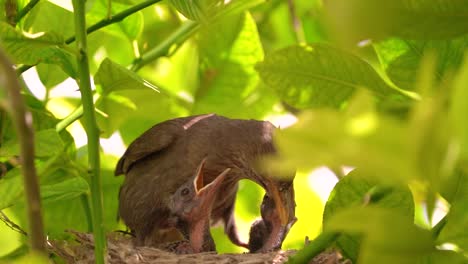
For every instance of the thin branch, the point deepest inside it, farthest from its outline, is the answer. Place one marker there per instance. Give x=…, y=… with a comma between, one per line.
x=4, y=218
x=75, y=115
x=296, y=22
x=92, y=132
x=10, y=11
x=177, y=38
x=116, y=18
x=25, y=10
x=23, y=125
x=103, y=23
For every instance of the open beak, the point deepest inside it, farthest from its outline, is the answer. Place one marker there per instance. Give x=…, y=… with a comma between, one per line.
x=282, y=194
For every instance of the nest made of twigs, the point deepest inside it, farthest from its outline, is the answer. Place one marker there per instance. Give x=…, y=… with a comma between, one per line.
x=121, y=250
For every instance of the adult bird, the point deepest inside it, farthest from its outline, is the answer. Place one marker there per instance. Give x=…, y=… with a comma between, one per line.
x=163, y=158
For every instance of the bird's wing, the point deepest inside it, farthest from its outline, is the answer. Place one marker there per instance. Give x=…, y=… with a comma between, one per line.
x=156, y=139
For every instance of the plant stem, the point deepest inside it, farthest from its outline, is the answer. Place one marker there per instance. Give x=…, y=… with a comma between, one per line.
x=25, y=10
x=23, y=124
x=116, y=18
x=92, y=132
x=75, y=115
x=178, y=37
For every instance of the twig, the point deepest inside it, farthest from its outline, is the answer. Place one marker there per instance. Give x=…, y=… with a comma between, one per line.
x=23, y=124
x=116, y=18
x=10, y=11
x=25, y=10
x=75, y=115
x=103, y=23
x=296, y=22
x=90, y=126
x=4, y=218
x=177, y=38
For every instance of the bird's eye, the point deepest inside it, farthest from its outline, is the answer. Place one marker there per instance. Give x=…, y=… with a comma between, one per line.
x=185, y=191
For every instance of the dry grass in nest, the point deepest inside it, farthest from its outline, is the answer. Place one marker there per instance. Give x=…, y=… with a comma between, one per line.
x=122, y=250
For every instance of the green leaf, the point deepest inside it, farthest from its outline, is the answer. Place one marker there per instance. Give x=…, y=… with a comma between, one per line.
x=387, y=236
x=402, y=59
x=64, y=190
x=319, y=75
x=444, y=256
x=57, y=20
x=114, y=77
x=50, y=75
x=113, y=110
x=454, y=230
x=356, y=20
x=364, y=139
x=47, y=48
x=11, y=188
x=228, y=52
x=47, y=143
x=459, y=108
x=352, y=191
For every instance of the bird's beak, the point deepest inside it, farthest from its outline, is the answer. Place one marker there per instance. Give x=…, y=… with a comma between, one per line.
x=282, y=194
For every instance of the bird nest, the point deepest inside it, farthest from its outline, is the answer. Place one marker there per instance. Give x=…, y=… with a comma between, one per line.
x=121, y=250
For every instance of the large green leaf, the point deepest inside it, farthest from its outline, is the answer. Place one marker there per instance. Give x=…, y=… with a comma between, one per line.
x=47, y=143
x=57, y=20
x=353, y=190
x=114, y=77
x=319, y=75
x=113, y=111
x=229, y=50
x=46, y=48
x=402, y=59
x=64, y=190
x=11, y=188
x=387, y=236
x=356, y=20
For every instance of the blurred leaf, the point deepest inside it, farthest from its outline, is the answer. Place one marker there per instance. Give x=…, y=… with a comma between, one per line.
x=402, y=59
x=387, y=236
x=459, y=108
x=363, y=139
x=454, y=230
x=356, y=20
x=444, y=256
x=352, y=191
x=206, y=10
x=113, y=111
x=229, y=50
x=47, y=143
x=319, y=75
x=57, y=20
x=47, y=48
x=64, y=190
x=114, y=77
x=11, y=188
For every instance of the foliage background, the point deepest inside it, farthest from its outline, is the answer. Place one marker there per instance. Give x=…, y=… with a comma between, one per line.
x=377, y=87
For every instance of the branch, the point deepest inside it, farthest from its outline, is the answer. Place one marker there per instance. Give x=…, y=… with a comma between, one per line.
x=102, y=23
x=23, y=124
x=25, y=10
x=177, y=38
x=92, y=132
x=4, y=218
x=114, y=19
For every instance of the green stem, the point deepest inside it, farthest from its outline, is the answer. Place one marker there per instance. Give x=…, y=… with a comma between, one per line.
x=316, y=246
x=178, y=37
x=116, y=18
x=25, y=10
x=75, y=115
x=92, y=132
x=23, y=125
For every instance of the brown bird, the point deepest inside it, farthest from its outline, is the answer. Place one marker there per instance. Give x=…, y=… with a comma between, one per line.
x=163, y=158
x=192, y=204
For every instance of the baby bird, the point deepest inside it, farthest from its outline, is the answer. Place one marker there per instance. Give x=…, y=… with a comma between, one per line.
x=192, y=204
